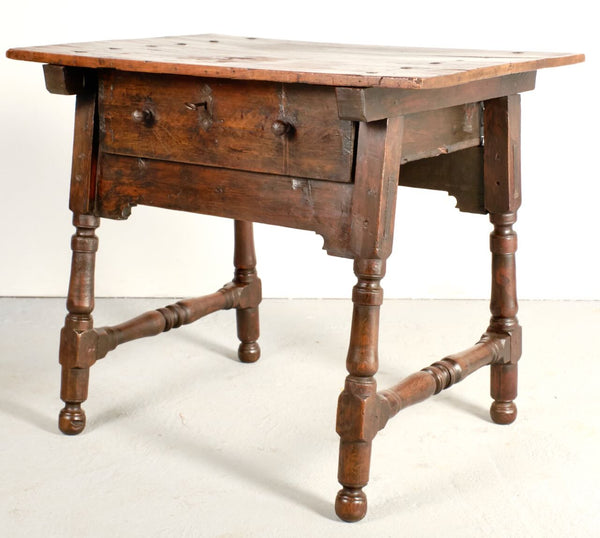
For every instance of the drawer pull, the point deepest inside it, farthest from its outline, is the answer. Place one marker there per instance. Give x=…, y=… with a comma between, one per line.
x=281, y=128
x=145, y=116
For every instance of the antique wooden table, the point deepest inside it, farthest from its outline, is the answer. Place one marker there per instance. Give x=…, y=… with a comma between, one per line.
x=304, y=135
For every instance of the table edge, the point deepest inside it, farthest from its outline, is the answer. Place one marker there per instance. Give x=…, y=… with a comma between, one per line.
x=285, y=76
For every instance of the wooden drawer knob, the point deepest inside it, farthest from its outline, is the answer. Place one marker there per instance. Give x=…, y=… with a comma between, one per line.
x=281, y=128
x=145, y=116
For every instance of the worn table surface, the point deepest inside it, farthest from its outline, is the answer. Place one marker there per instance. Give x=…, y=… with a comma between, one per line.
x=295, y=61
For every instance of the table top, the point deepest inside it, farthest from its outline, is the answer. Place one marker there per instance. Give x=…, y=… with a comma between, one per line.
x=249, y=58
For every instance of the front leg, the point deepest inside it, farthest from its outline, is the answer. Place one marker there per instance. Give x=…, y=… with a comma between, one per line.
x=77, y=350
x=244, y=259
x=357, y=421
x=373, y=209
x=502, y=190
x=503, y=305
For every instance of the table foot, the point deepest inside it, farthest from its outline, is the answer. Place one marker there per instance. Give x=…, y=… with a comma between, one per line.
x=503, y=412
x=351, y=504
x=71, y=419
x=249, y=351
x=504, y=391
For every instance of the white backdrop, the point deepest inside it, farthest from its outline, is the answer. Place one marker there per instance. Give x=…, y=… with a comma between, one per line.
x=438, y=252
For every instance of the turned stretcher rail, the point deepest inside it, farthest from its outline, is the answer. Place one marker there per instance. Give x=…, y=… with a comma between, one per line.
x=442, y=375
x=183, y=312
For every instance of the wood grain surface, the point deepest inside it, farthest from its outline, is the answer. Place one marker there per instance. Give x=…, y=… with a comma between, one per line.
x=296, y=61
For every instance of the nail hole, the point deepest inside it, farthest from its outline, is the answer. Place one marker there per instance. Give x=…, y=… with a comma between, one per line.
x=79, y=51
x=114, y=48
x=435, y=63
x=213, y=40
x=182, y=44
x=405, y=67
x=151, y=46
x=250, y=38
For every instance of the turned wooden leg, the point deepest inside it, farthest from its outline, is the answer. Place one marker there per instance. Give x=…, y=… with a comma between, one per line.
x=77, y=352
x=503, y=243
x=244, y=259
x=357, y=421
x=502, y=196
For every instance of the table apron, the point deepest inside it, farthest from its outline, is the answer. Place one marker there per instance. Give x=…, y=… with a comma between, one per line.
x=321, y=206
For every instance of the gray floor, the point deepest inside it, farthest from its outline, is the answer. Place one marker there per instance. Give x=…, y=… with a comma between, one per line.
x=182, y=440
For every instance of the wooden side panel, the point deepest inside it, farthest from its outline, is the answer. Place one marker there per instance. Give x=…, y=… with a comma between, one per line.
x=437, y=132
x=227, y=124
x=460, y=174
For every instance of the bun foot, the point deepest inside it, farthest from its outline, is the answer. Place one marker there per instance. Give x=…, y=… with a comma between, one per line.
x=71, y=419
x=503, y=412
x=249, y=352
x=351, y=504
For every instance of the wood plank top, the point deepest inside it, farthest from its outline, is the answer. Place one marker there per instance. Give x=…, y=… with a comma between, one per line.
x=249, y=58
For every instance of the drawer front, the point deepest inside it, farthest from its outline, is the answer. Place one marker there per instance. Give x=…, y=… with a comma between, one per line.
x=285, y=129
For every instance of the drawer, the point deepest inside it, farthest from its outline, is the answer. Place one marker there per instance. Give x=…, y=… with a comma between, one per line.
x=284, y=129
